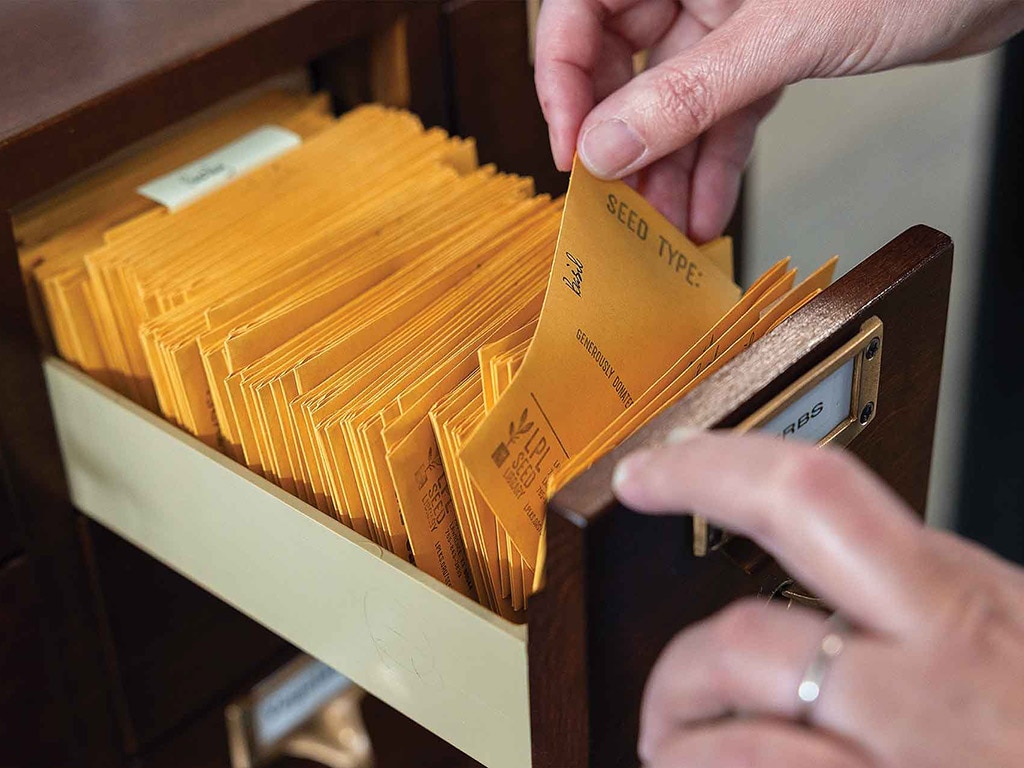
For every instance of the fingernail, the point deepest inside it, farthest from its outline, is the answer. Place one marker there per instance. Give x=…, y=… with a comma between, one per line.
x=682, y=434
x=623, y=470
x=610, y=147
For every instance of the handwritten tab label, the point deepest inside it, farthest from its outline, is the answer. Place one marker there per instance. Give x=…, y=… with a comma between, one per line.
x=575, y=278
x=190, y=182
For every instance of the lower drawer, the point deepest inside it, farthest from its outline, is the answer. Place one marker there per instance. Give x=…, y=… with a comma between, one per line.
x=397, y=743
x=442, y=660
x=175, y=647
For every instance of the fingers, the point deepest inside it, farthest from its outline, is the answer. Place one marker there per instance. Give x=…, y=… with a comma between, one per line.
x=742, y=670
x=748, y=659
x=670, y=105
x=748, y=662
x=831, y=523
x=754, y=744
x=571, y=37
x=968, y=556
x=685, y=31
x=641, y=24
x=666, y=184
x=986, y=584
x=713, y=13
x=614, y=67
x=724, y=152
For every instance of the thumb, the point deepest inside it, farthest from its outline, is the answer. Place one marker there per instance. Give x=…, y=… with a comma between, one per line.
x=670, y=105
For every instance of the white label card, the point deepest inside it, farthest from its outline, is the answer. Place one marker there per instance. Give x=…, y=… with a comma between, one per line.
x=288, y=705
x=814, y=414
x=190, y=182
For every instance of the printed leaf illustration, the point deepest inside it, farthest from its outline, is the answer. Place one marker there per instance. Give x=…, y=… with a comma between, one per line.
x=433, y=458
x=524, y=425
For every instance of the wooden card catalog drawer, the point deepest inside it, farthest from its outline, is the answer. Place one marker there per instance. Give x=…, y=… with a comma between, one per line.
x=565, y=692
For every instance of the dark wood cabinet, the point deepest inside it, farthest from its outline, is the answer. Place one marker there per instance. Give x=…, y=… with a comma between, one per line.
x=173, y=648
x=33, y=730
x=9, y=544
x=493, y=91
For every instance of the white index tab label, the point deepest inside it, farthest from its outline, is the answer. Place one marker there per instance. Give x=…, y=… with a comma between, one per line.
x=813, y=415
x=282, y=706
x=188, y=183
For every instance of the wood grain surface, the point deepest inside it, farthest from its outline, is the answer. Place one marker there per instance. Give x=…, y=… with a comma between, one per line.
x=81, y=79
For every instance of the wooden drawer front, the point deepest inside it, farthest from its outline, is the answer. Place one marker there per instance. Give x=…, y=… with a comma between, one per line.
x=617, y=580
x=8, y=537
x=30, y=722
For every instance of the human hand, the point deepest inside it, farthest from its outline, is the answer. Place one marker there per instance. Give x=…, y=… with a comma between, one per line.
x=933, y=673
x=715, y=70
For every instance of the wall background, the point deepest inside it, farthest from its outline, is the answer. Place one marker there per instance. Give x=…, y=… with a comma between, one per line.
x=843, y=166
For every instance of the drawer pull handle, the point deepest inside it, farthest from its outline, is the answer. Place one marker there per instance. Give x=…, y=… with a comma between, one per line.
x=791, y=592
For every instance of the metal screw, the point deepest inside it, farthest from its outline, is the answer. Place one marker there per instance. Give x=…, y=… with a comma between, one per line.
x=872, y=349
x=867, y=412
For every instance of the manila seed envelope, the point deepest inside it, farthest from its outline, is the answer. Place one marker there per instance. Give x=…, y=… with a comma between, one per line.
x=627, y=295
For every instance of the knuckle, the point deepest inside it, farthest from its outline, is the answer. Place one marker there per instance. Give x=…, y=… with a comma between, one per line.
x=821, y=482
x=969, y=622
x=813, y=476
x=972, y=610
x=684, y=98
x=805, y=477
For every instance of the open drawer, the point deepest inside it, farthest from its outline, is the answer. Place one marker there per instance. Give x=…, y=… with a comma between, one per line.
x=440, y=658
x=565, y=693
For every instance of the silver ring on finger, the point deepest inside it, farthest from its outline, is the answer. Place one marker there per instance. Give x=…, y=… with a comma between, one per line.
x=814, y=676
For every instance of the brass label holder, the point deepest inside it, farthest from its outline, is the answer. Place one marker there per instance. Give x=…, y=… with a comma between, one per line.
x=304, y=710
x=830, y=404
